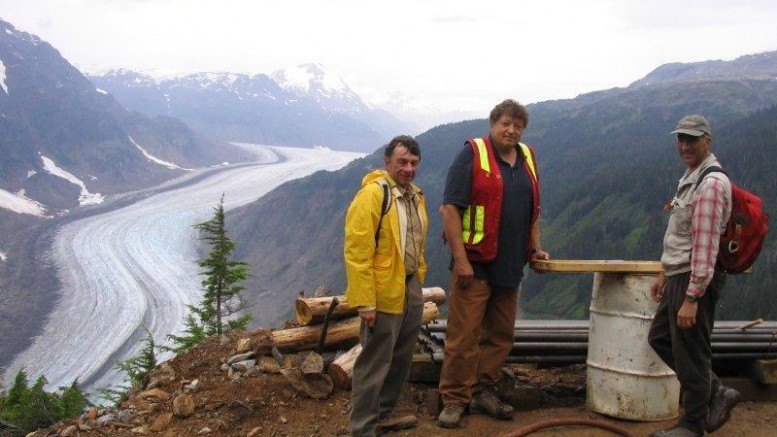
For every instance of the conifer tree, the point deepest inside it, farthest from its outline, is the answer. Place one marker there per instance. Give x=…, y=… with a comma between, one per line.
x=137, y=368
x=30, y=408
x=222, y=286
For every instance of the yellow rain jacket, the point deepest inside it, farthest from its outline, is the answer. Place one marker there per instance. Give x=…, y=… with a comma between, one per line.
x=376, y=276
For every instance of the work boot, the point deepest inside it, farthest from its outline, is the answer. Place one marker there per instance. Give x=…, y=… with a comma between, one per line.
x=450, y=416
x=677, y=431
x=725, y=399
x=396, y=423
x=486, y=401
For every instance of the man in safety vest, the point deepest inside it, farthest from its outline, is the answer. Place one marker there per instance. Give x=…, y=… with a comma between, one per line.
x=385, y=237
x=490, y=214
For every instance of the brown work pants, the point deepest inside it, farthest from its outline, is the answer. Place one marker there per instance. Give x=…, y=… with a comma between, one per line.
x=480, y=335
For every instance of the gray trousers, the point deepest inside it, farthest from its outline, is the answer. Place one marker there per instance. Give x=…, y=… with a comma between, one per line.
x=383, y=366
x=688, y=351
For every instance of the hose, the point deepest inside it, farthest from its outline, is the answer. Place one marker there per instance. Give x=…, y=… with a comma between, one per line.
x=526, y=430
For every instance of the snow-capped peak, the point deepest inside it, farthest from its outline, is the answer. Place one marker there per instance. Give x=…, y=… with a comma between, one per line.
x=314, y=82
x=309, y=77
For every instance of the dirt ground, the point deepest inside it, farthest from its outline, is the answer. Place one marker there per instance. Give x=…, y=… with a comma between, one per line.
x=267, y=405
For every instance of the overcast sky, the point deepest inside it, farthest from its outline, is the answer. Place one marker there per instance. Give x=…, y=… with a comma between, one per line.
x=451, y=55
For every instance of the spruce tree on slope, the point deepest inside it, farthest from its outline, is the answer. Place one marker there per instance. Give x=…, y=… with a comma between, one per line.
x=222, y=285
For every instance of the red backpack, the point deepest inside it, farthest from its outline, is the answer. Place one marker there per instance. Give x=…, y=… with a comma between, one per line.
x=746, y=229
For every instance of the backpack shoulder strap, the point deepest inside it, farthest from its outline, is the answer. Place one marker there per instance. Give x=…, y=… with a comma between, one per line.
x=385, y=206
x=708, y=170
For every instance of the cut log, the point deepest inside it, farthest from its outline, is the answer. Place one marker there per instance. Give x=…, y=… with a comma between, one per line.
x=311, y=310
x=341, y=369
x=341, y=331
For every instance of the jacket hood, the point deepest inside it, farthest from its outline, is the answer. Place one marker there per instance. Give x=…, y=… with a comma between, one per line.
x=376, y=174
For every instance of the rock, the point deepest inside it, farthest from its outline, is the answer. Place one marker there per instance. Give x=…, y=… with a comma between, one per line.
x=161, y=422
x=254, y=432
x=193, y=386
x=313, y=363
x=284, y=420
x=142, y=430
x=253, y=371
x=313, y=385
x=92, y=413
x=243, y=366
x=205, y=430
x=155, y=393
x=105, y=419
x=240, y=357
x=183, y=406
x=125, y=416
x=70, y=431
x=243, y=345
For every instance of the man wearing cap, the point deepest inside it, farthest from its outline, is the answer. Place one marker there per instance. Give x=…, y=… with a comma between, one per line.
x=689, y=287
x=385, y=266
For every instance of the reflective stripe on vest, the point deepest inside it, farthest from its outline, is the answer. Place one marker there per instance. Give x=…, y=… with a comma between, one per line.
x=483, y=156
x=473, y=221
x=473, y=224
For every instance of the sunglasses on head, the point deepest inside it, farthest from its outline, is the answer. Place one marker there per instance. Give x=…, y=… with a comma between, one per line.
x=685, y=138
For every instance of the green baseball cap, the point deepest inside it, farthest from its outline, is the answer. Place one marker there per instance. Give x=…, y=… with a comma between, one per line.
x=694, y=125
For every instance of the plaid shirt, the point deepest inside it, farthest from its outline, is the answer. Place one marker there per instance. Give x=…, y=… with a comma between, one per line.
x=709, y=218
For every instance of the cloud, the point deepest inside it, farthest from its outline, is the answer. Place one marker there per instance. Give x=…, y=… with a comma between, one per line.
x=453, y=19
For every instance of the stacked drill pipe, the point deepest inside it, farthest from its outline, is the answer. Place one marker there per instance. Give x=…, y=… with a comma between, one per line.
x=566, y=341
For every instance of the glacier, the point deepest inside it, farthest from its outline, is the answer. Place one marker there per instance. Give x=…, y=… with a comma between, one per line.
x=135, y=268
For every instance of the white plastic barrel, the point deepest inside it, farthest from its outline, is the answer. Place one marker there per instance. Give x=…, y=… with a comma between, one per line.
x=625, y=378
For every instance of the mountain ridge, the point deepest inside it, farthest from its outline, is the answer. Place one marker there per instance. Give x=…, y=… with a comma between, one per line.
x=600, y=140
x=313, y=108
x=52, y=114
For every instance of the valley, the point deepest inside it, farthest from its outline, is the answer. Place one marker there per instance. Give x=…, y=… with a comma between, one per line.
x=124, y=270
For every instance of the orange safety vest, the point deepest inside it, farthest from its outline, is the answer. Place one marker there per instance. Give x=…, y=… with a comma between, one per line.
x=480, y=220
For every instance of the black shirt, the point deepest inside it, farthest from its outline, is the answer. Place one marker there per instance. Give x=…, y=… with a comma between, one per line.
x=515, y=220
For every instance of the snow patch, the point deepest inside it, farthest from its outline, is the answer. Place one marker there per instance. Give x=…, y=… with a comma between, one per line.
x=31, y=173
x=21, y=204
x=156, y=160
x=2, y=77
x=3, y=256
x=101, y=91
x=85, y=197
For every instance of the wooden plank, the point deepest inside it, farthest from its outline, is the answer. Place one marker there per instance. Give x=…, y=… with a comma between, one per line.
x=594, y=266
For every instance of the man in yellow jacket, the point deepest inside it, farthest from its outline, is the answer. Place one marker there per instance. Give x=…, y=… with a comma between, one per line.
x=385, y=266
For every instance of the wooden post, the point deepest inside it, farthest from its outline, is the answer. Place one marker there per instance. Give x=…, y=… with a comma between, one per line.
x=311, y=310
